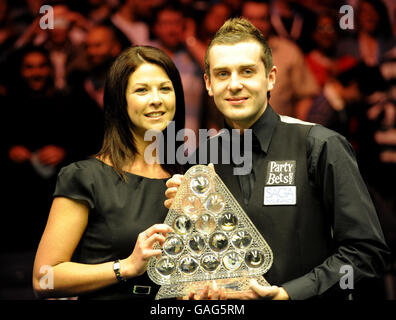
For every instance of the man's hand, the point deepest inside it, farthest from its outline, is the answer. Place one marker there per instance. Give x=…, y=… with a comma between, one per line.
x=173, y=185
x=208, y=293
x=259, y=292
x=256, y=292
x=268, y=292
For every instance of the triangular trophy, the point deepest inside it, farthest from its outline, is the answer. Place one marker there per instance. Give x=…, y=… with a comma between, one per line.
x=214, y=239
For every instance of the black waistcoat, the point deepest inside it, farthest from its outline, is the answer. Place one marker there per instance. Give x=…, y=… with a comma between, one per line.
x=299, y=235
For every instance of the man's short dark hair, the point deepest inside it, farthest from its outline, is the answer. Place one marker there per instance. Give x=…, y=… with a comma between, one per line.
x=236, y=30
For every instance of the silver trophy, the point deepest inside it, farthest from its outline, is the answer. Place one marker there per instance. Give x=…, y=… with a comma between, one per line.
x=213, y=239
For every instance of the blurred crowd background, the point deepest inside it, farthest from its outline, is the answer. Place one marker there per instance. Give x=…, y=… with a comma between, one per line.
x=51, y=90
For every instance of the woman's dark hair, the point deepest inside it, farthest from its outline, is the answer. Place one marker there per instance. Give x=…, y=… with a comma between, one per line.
x=118, y=144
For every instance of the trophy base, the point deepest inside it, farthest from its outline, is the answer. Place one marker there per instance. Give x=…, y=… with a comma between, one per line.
x=230, y=286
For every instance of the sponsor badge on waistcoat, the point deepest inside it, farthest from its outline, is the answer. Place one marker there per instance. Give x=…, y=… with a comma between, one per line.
x=280, y=185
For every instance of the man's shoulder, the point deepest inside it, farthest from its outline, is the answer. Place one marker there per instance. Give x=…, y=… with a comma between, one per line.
x=316, y=130
x=291, y=120
x=318, y=136
x=323, y=140
x=324, y=134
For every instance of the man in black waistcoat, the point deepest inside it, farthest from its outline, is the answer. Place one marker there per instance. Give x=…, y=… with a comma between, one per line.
x=303, y=190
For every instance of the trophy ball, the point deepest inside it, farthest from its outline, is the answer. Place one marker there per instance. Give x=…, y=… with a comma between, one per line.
x=254, y=258
x=188, y=265
x=232, y=261
x=182, y=225
x=173, y=245
x=218, y=241
x=196, y=244
x=215, y=203
x=210, y=262
x=165, y=266
x=205, y=223
x=241, y=239
x=200, y=184
x=190, y=205
x=228, y=221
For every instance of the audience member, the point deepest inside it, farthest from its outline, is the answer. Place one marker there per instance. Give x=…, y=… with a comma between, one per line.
x=7, y=30
x=330, y=108
x=102, y=47
x=37, y=138
x=322, y=59
x=296, y=87
x=376, y=137
x=195, y=40
x=87, y=87
x=373, y=36
x=64, y=41
x=234, y=5
x=388, y=71
x=7, y=39
x=169, y=30
x=96, y=11
x=214, y=18
x=292, y=21
x=133, y=20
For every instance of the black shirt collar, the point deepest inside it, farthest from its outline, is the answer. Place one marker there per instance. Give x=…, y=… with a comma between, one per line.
x=263, y=128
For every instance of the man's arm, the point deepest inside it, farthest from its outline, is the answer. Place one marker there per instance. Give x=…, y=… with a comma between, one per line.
x=357, y=235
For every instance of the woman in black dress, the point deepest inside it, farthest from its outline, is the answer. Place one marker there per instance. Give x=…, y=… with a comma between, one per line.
x=107, y=211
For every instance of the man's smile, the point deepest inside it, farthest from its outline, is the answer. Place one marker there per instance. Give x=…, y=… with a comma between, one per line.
x=236, y=100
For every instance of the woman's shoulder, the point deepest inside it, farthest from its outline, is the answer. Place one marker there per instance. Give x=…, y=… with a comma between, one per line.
x=86, y=164
x=91, y=169
x=98, y=169
x=78, y=181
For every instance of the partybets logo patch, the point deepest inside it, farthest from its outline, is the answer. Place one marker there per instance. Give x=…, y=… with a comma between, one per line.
x=280, y=186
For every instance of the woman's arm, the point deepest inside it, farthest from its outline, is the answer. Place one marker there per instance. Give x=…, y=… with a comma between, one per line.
x=66, y=224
